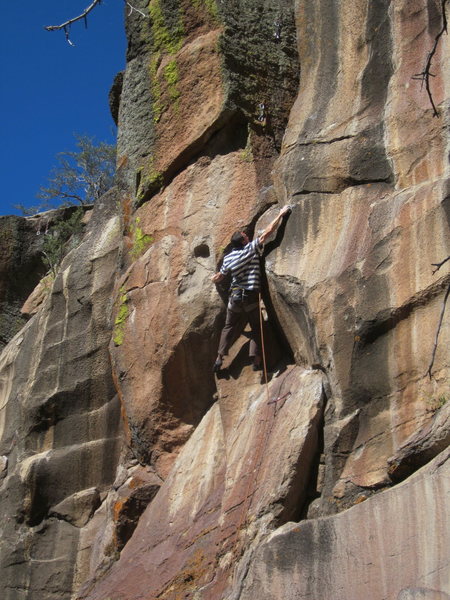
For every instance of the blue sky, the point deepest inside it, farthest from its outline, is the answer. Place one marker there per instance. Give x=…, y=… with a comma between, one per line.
x=50, y=90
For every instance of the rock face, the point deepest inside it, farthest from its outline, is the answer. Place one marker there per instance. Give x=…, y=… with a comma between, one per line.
x=228, y=507
x=21, y=268
x=363, y=282
x=59, y=421
x=127, y=467
x=321, y=557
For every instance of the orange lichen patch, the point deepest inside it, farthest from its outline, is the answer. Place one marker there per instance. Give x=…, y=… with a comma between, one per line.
x=127, y=210
x=136, y=482
x=360, y=499
x=196, y=572
x=118, y=507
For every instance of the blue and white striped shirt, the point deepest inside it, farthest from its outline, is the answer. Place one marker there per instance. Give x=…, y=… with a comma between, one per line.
x=243, y=264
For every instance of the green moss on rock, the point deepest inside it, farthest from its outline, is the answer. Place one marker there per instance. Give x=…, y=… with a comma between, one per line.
x=141, y=240
x=164, y=38
x=210, y=5
x=122, y=315
x=150, y=181
x=172, y=77
x=157, y=103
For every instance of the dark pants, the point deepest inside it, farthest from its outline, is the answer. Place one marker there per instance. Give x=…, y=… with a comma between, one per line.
x=238, y=315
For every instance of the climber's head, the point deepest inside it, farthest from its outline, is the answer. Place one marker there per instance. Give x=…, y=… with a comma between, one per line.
x=239, y=239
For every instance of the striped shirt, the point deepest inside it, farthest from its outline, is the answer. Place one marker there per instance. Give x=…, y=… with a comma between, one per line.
x=243, y=264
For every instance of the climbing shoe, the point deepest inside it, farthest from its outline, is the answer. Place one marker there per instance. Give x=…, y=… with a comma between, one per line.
x=217, y=365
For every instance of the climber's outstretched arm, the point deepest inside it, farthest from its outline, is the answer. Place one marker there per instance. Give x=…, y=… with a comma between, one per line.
x=274, y=225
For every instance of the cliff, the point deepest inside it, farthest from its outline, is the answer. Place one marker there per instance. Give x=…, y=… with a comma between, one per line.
x=131, y=471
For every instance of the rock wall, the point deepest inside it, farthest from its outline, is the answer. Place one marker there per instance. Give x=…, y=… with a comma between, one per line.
x=59, y=421
x=129, y=469
x=368, y=293
x=351, y=553
x=21, y=265
x=21, y=270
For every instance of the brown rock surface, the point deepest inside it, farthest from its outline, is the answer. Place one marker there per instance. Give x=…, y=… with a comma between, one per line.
x=37, y=296
x=164, y=373
x=424, y=444
x=59, y=426
x=366, y=551
x=370, y=216
x=213, y=506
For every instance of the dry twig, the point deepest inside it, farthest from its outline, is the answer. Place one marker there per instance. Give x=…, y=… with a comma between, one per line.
x=439, y=265
x=132, y=8
x=424, y=77
x=67, y=24
x=441, y=317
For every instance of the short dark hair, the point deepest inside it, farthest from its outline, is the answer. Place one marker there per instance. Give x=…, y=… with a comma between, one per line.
x=237, y=239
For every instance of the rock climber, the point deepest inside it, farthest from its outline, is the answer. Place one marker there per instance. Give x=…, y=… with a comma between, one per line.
x=244, y=266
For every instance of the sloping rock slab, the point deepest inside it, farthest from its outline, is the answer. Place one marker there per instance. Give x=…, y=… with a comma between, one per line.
x=223, y=493
x=366, y=551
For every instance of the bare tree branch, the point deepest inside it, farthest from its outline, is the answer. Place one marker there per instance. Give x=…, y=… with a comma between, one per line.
x=438, y=331
x=439, y=265
x=424, y=77
x=71, y=197
x=132, y=8
x=66, y=26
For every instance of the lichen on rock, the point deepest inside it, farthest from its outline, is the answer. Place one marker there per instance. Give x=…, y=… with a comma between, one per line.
x=122, y=314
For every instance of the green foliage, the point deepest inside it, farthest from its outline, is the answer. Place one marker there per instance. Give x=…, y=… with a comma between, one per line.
x=29, y=211
x=212, y=8
x=62, y=237
x=151, y=180
x=171, y=72
x=82, y=176
x=247, y=154
x=122, y=314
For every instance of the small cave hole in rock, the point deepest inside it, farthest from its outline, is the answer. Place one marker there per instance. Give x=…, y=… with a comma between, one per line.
x=202, y=251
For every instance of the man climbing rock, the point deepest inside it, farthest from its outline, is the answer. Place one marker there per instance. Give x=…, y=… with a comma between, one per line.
x=244, y=266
